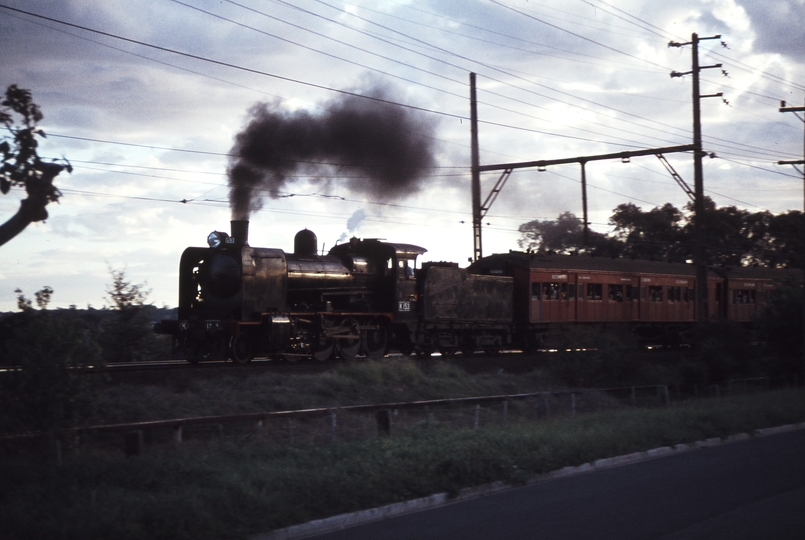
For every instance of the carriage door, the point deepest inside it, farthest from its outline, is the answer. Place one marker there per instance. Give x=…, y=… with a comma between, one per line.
x=720, y=305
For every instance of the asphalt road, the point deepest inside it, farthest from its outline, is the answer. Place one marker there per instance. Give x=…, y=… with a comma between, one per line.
x=750, y=489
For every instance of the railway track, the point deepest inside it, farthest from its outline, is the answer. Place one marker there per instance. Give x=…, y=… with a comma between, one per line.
x=176, y=365
x=287, y=363
x=508, y=360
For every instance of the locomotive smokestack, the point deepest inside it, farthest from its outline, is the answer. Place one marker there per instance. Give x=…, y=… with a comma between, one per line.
x=240, y=231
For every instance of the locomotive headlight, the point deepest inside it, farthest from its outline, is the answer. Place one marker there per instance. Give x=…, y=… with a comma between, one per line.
x=216, y=239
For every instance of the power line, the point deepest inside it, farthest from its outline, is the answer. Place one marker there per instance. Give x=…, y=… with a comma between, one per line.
x=488, y=66
x=519, y=112
x=579, y=36
x=297, y=81
x=230, y=65
x=327, y=88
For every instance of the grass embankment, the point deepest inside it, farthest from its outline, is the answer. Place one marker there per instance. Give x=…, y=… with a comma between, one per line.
x=237, y=390
x=223, y=489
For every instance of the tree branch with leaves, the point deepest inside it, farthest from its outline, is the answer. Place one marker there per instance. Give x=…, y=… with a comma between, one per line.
x=21, y=166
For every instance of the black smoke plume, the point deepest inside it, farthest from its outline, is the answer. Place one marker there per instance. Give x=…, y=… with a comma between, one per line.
x=369, y=146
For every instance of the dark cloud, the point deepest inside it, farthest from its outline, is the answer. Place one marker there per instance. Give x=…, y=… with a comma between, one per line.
x=369, y=146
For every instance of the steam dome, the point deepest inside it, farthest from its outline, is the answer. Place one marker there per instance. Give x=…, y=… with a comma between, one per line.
x=305, y=243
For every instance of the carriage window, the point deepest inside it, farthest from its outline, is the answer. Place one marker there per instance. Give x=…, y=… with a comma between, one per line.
x=558, y=291
x=615, y=293
x=551, y=291
x=655, y=293
x=743, y=296
x=628, y=293
x=675, y=294
x=594, y=291
x=535, y=290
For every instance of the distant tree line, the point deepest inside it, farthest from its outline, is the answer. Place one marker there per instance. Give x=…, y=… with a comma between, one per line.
x=732, y=236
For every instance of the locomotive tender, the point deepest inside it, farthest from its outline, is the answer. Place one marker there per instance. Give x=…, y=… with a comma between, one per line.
x=368, y=297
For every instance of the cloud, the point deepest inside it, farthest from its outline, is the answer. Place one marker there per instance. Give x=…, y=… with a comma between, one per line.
x=779, y=26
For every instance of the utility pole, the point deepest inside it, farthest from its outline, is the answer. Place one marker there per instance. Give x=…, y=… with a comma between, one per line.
x=477, y=252
x=801, y=162
x=586, y=234
x=700, y=258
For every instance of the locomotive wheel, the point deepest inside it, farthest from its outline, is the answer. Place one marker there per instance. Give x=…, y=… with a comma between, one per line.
x=325, y=352
x=241, y=347
x=349, y=345
x=423, y=352
x=322, y=345
x=195, y=352
x=375, y=339
x=198, y=349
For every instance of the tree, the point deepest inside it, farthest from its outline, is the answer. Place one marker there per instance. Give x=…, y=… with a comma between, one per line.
x=565, y=235
x=21, y=166
x=726, y=235
x=733, y=237
x=652, y=235
x=786, y=240
x=127, y=334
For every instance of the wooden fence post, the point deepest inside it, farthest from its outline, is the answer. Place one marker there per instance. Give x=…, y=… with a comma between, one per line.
x=662, y=394
x=383, y=417
x=133, y=443
x=59, y=454
x=542, y=408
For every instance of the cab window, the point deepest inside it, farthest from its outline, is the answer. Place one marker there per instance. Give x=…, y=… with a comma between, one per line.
x=405, y=269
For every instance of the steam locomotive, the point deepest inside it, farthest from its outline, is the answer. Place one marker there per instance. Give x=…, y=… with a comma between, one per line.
x=363, y=297
x=368, y=297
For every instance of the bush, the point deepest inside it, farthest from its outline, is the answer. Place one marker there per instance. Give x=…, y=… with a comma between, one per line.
x=588, y=356
x=722, y=351
x=49, y=392
x=781, y=328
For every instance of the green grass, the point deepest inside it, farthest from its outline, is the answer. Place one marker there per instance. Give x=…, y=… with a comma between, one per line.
x=233, y=391
x=227, y=489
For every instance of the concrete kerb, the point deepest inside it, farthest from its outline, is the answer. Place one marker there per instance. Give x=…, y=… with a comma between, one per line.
x=344, y=521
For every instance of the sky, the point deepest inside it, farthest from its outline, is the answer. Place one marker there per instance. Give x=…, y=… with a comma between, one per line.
x=147, y=99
